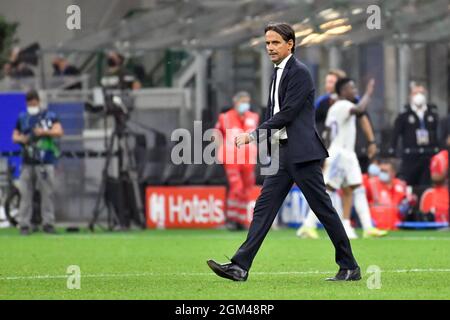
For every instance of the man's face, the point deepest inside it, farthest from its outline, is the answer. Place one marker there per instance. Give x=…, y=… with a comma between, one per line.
x=438, y=178
x=277, y=47
x=330, y=83
x=387, y=167
x=113, y=59
x=33, y=107
x=33, y=103
x=418, y=96
x=349, y=91
x=418, y=89
x=242, y=100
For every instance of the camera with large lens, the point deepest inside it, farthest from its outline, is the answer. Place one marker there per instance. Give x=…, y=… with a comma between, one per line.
x=118, y=104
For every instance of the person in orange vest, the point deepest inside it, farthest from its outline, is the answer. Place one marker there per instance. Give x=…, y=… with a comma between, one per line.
x=435, y=200
x=389, y=197
x=239, y=164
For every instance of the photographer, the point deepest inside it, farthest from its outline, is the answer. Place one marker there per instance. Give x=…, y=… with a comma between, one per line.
x=117, y=76
x=36, y=131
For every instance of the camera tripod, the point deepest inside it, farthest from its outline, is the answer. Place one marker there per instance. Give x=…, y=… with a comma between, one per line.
x=127, y=172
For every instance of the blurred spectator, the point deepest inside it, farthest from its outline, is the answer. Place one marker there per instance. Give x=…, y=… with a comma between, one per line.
x=36, y=131
x=239, y=165
x=117, y=76
x=388, y=196
x=435, y=200
x=417, y=127
x=19, y=68
x=324, y=102
x=61, y=67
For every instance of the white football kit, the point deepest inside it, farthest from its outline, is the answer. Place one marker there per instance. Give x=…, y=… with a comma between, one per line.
x=342, y=167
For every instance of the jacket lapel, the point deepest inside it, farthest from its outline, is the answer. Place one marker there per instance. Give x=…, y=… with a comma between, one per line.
x=282, y=87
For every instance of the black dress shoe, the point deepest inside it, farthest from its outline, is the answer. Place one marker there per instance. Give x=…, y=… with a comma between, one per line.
x=228, y=271
x=25, y=231
x=347, y=275
x=49, y=229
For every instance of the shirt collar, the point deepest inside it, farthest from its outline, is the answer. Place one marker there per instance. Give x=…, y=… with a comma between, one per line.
x=416, y=110
x=282, y=64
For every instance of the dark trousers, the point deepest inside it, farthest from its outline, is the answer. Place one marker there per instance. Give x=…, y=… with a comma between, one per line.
x=308, y=176
x=415, y=169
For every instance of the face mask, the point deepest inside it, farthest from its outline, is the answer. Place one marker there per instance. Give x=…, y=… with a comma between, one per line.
x=384, y=177
x=373, y=170
x=33, y=110
x=243, y=107
x=419, y=100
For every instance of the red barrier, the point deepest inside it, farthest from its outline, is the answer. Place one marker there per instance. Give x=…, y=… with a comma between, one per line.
x=185, y=207
x=189, y=206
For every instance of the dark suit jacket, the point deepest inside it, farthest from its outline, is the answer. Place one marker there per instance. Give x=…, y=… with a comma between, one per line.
x=405, y=129
x=297, y=114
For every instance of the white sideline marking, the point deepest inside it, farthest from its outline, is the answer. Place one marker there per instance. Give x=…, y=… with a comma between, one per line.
x=149, y=274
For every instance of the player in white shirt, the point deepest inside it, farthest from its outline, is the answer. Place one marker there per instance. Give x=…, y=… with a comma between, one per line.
x=342, y=169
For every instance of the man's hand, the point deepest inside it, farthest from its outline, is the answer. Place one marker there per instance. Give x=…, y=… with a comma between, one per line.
x=370, y=87
x=23, y=139
x=39, y=132
x=241, y=139
x=372, y=150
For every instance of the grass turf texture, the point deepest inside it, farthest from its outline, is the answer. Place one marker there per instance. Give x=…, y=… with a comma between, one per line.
x=172, y=265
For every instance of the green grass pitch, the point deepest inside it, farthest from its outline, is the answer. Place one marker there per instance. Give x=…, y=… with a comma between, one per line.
x=172, y=265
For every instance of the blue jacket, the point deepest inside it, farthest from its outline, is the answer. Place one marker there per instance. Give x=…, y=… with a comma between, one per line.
x=25, y=125
x=297, y=114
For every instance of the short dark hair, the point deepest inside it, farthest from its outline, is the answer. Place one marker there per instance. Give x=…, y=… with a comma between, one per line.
x=284, y=30
x=32, y=95
x=390, y=161
x=341, y=83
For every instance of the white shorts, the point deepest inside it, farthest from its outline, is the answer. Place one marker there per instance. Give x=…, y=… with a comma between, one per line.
x=342, y=169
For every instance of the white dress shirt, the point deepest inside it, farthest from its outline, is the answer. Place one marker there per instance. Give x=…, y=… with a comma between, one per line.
x=280, y=134
x=419, y=111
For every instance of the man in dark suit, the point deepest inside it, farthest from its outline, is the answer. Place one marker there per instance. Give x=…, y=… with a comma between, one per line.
x=300, y=153
x=418, y=128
